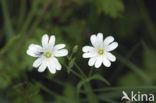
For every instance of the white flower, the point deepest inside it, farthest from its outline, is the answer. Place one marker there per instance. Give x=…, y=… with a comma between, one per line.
x=47, y=53
x=100, y=52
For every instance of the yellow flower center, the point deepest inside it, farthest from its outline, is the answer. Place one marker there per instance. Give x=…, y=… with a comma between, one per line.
x=47, y=54
x=100, y=51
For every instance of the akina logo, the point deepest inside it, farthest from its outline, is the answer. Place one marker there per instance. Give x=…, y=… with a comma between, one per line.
x=137, y=96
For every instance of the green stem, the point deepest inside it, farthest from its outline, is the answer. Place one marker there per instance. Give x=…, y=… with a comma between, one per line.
x=77, y=67
x=30, y=17
x=90, y=95
x=82, y=73
x=22, y=13
x=40, y=17
x=7, y=20
x=91, y=71
x=70, y=57
x=75, y=73
x=53, y=93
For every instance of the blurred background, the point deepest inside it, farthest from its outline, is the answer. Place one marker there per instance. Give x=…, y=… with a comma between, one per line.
x=131, y=22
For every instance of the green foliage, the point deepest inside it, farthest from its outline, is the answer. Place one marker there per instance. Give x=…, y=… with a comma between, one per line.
x=72, y=22
x=7, y=21
x=75, y=49
x=72, y=59
x=135, y=68
x=27, y=92
x=70, y=92
x=149, y=61
x=71, y=64
x=112, y=8
x=94, y=77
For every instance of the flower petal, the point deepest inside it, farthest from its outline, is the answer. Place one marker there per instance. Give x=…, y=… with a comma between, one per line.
x=58, y=66
x=98, y=62
x=45, y=39
x=59, y=46
x=94, y=41
x=34, y=50
x=42, y=67
x=37, y=62
x=108, y=40
x=88, y=49
x=111, y=57
x=100, y=38
x=112, y=46
x=92, y=61
x=52, y=40
x=61, y=53
x=51, y=69
x=56, y=63
x=88, y=55
x=106, y=62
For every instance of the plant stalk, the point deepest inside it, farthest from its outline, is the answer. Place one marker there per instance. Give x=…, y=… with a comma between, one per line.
x=90, y=95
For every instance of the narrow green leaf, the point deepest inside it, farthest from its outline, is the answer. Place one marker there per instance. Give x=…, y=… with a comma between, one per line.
x=149, y=56
x=99, y=77
x=94, y=77
x=10, y=42
x=134, y=68
x=7, y=20
x=62, y=98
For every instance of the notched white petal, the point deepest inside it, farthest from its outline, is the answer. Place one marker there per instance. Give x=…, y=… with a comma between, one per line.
x=29, y=52
x=106, y=62
x=61, y=53
x=111, y=57
x=92, y=61
x=94, y=40
x=112, y=46
x=58, y=66
x=59, y=46
x=35, y=47
x=98, y=62
x=88, y=49
x=34, y=50
x=45, y=39
x=55, y=63
x=37, y=62
x=42, y=68
x=52, y=40
x=88, y=55
x=108, y=40
x=51, y=69
x=100, y=38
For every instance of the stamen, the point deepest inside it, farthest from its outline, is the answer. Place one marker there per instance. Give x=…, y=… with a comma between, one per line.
x=100, y=51
x=47, y=54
